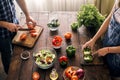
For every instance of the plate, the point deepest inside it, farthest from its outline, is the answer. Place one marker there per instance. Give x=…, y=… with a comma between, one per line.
x=75, y=68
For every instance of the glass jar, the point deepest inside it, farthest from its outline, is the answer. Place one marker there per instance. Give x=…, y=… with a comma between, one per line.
x=53, y=75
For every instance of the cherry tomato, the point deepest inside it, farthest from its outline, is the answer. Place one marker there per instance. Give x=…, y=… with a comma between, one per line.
x=23, y=36
x=35, y=76
x=68, y=35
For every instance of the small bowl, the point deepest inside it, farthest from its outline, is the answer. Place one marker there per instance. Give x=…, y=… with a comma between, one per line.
x=53, y=28
x=25, y=55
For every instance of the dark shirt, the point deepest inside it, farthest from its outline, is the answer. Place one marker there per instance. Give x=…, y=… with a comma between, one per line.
x=7, y=13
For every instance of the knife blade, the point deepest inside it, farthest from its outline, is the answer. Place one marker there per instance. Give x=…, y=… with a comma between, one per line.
x=24, y=29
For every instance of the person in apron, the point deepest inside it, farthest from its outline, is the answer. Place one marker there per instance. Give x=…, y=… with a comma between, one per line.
x=111, y=41
x=8, y=28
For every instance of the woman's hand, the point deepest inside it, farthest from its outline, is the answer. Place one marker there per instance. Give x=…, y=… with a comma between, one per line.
x=30, y=19
x=89, y=44
x=102, y=51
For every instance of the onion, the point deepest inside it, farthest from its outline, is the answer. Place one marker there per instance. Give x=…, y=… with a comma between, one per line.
x=80, y=73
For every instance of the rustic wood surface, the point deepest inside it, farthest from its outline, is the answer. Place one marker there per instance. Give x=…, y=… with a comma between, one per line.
x=23, y=69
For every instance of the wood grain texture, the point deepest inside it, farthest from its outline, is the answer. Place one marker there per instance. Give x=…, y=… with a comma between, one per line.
x=29, y=41
x=23, y=70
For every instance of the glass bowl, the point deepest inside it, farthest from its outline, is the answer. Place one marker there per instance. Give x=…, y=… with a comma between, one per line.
x=53, y=28
x=45, y=57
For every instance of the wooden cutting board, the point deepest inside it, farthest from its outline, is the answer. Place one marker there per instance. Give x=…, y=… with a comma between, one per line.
x=29, y=41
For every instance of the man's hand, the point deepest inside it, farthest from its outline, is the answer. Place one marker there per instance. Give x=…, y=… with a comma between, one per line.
x=12, y=27
x=30, y=19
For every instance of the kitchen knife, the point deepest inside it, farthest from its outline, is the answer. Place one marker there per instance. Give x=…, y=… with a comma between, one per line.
x=24, y=29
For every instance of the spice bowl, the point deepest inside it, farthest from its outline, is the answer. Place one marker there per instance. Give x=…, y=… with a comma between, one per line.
x=25, y=55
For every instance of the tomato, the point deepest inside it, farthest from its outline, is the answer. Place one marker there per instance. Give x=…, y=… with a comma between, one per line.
x=35, y=75
x=32, y=31
x=23, y=36
x=74, y=77
x=30, y=25
x=68, y=35
x=63, y=58
x=57, y=40
x=34, y=34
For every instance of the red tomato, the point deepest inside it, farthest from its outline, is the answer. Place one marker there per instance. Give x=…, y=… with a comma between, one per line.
x=34, y=34
x=32, y=31
x=74, y=77
x=63, y=58
x=23, y=36
x=68, y=35
x=35, y=75
x=30, y=25
x=57, y=40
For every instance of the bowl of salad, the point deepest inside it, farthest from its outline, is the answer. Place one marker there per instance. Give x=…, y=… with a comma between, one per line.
x=45, y=57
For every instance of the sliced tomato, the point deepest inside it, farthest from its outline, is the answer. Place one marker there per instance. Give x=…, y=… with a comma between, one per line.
x=32, y=31
x=34, y=34
x=30, y=25
x=23, y=36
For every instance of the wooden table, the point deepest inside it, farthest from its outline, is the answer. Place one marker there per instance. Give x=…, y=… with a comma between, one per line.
x=22, y=70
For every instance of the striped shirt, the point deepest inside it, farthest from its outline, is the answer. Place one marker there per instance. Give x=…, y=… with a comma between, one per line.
x=7, y=13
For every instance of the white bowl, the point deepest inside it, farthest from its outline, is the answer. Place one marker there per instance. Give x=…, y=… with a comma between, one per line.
x=25, y=55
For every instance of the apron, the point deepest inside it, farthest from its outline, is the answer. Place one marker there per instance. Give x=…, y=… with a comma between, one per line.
x=112, y=38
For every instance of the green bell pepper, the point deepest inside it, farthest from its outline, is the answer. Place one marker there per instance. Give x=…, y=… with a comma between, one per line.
x=87, y=55
x=74, y=26
x=88, y=58
x=70, y=50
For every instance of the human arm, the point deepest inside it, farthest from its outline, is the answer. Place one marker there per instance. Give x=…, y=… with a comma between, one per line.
x=100, y=32
x=10, y=26
x=23, y=6
x=106, y=50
